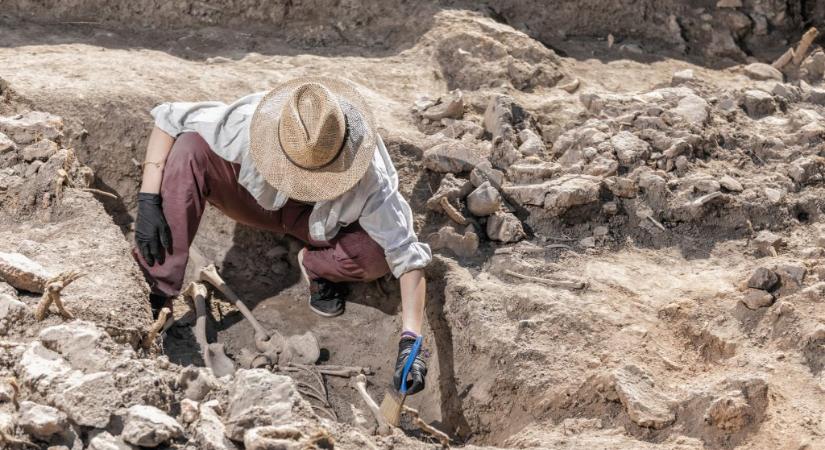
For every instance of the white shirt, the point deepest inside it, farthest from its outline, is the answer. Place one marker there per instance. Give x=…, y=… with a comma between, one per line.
x=374, y=201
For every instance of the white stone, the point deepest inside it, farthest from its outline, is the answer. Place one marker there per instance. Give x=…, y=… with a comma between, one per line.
x=40, y=420
x=645, y=405
x=681, y=76
x=692, y=109
x=531, y=143
x=148, y=426
x=730, y=183
x=6, y=144
x=258, y=397
x=209, y=432
x=629, y=148
x=757, y=103
x=11, y=311
x=504, y=227
x=455, y=156
x=26, y=128
x=79, y=342
x=89, y=399
x=105, y=441
x=762, y=71
x=484, y=201
x=23, y=273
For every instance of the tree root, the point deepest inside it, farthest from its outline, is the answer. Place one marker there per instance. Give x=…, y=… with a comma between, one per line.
x=425, y=427
x=51, y=294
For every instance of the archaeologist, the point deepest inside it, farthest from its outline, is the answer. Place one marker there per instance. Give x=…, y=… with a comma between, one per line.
x=303, y=159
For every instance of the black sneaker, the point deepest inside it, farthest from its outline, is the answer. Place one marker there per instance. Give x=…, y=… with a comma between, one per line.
x=327, y=298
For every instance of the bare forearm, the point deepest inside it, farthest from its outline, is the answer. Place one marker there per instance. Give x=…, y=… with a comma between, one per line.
x=413, y=299
x=157, y=151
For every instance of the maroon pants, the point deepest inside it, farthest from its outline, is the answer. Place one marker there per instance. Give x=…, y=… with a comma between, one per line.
x=194, y=175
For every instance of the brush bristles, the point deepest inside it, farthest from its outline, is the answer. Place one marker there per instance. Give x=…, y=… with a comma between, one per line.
x=391, y=408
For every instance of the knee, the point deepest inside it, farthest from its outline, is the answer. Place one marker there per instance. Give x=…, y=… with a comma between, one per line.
x=189, y=150
x=365, y=260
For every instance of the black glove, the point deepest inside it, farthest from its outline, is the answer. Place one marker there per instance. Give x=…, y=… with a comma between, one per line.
x=151, y=230
x=418, y=370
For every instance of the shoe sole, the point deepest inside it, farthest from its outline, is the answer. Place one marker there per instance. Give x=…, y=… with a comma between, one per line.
x=321, y=313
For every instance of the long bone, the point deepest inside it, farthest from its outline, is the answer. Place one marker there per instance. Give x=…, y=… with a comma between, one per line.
x=213, y=354
x=272, y=344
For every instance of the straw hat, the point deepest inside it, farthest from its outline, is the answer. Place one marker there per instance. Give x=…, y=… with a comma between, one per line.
x=312, y=138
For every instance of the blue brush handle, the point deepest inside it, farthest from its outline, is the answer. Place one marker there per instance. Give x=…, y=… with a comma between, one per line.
x=410, y=359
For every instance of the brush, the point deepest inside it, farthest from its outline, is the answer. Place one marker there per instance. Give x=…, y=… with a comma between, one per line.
x=393, y=401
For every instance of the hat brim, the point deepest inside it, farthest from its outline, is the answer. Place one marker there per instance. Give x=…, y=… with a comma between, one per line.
x=313, y=185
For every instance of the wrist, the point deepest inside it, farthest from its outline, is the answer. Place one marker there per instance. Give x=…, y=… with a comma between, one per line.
x=409, y=334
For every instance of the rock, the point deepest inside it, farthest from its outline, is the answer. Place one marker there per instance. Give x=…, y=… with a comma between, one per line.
x=484, y=201
x=773, y=195
x=531, y=143
x=588, y=242
x=23, y=273
x=6, y=144
x=12, y=311
x=89, y=399
x=791, y=277
x=504, y=154
x=7, y=391
x=757, y=298
x=762, y=71
x=646, y=406
x=532, y=170
x=40, y=150
x=189, y=410
x=452, y=189
x=504, y=227
x=787, y=92
x=729, y=4
x=80, y=343
x=681, y=77
x=767, y=243
x=455, y=157
x=757, y=103
x=707, y=185
x=730, y=412
x=763, y=278
x=7, y=289
x=209, y=432
x=569, y=191
x=463, y=246
x=448, y=106
x=258, y=397
x=8, y=422
x=197, y=382
x=105, y=441
x=730, y=183
x=813, y=67
x=602, y=166
x=803, y=169
x=41, y=421
x=455, y=129
x=629, y=148
x=484, y=172
x=33, y=125
x=692, y=109
x=621, y=187
x=501, y=114
x=41, y=369
x=148, y=426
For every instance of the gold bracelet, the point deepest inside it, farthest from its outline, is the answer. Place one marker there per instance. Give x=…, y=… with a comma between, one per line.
x=158, y=164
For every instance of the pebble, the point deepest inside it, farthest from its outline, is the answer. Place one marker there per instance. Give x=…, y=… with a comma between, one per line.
x=148, y=426
x=484, y=201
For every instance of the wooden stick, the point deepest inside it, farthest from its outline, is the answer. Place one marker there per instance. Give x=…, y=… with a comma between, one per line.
x=783, y=60
x=804, y=43
x=438, y=434
x=451, y=212
x=156, y=327
x=565, y=284
x=384, y=429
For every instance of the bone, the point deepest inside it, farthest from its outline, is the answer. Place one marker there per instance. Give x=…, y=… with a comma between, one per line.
x=212, y=354
x=438, y=434
x=384, y=429
x=156, y=328
x=560, y=283
x=51, y=295
x=210, y=275
x=451, y=212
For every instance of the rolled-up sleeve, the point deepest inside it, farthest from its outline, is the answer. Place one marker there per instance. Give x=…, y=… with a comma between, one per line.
x=387, y=218
x=224, y=127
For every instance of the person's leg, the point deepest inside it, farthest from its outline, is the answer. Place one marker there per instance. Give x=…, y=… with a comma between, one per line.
x=194, y=175
x=351, y=256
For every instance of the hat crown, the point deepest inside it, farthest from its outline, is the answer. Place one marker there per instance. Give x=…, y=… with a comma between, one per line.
x=312, y=127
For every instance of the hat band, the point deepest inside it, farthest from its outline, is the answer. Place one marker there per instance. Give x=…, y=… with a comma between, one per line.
x=331, y=160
